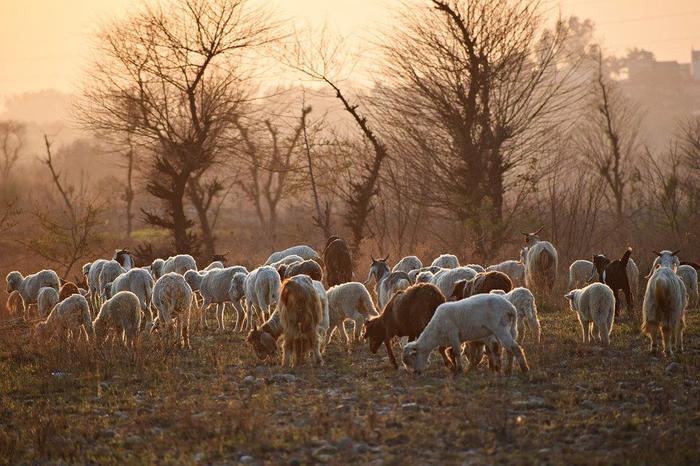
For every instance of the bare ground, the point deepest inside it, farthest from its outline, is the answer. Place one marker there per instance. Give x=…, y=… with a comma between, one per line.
x=217, y=404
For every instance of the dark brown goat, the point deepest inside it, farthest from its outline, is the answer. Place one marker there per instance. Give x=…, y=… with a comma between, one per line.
x=614, y=274
x=67, y=289
x=338, y=262
x=405, y=315
x=308, y=267
x=483, y=282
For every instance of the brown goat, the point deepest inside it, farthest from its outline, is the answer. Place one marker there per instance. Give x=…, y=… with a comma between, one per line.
x=338, y=262
x=482, y=283
x=405, y=315
x=308, y=267
x=300, y=311
x=67, y=289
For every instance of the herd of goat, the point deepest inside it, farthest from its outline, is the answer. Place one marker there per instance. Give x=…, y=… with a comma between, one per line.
x=299, y=298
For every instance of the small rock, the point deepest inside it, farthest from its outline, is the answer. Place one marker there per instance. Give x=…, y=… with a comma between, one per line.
x=133, y=440
x=588, y=404
x=60, y=375
x=245, y=459
x=324, y=450
x=109, y=433
x=249, y=379
x=198, y=457
x=345, y=444
x=284, y=378
x=672, y=368
x=410, y=407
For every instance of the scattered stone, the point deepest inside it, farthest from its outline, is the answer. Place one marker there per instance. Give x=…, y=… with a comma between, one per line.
x=249, y=380
x=284, y=378
x=60, y=375
x=133, y=440
x=410, y=407
x=245, y=459
x=672, y=368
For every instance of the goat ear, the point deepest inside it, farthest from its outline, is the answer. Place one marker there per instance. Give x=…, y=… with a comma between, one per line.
x=523, y=233
x=569, y=296
x=386, y=258
x=372, y=257
x=675, y=252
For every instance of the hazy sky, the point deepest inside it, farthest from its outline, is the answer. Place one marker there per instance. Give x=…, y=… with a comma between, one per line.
x=45, y=43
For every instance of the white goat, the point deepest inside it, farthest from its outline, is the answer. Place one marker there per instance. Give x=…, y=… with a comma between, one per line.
x=386, y=282
x=47, y=299
x=30, y=285
x=514, y=269
x=110, y=271
x=305, y=252
x=66, y=320
x=446, y=279
x=524, y=302
x=349, y=301
x=446, y=261
x=541, y=265
x=424, y=277
x=172, y=298
x=407, y=264
x=178, y=264
x=288, y=260
x=664, y=305
x=214, y=285
x=580, y=273
x=120, y=314
x=139, y=282
x=93, y=281
x=261, y=289
x=595, y=307
x=472, y=319
x=690, y=279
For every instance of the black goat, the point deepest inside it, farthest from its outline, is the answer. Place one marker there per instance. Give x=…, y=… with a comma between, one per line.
x=614, y=274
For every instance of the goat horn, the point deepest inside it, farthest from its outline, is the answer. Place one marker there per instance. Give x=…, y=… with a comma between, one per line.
x=537, y=232
x=675, y=252
x=657, y=253
x=373, y=259
x=386, y=258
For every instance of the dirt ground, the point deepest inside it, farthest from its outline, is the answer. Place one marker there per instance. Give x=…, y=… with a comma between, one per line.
x=217, y=404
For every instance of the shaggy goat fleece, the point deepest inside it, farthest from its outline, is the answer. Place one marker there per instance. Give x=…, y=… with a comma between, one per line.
x=300, y=312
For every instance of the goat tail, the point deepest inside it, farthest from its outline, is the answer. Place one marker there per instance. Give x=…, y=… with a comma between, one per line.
x=626, y=256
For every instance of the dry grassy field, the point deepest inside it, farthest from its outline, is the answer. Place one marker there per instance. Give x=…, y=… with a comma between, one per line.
x=217, y=404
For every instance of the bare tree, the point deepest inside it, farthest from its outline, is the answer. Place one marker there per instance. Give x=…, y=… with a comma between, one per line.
x=270, y=151
x=69, y=225
x=12, y=140
x=172, y=75
x=324, y=61
x=471, y=92
x=609, y=136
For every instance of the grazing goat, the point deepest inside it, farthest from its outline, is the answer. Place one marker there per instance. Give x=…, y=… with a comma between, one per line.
x=351, y=301
x=305, y=252
x=67, y=289
x=172, y=298
x=664, y=304
x=308, y=267
x=260, y=287
x=110, y=271
x=263, y=339
x=405, y=315
x=15, y=304
x=125, y=259
x=514, y=269
x=483, y=282
x=425, y=276
x=476, y=267
x=286, y=261
x=580, y=273
x=595, y=307
x=300, y=312
x=387, y=282
x=614, y=274
x=446, y=279
x=214, y=286
x=178, y=264
x=139, y=282
x=690, y=279
x=93, y=281
x=30, y=285
x=540, y=265
x=413, y=274
x=471, y=319
x=47, y=299
x=408, y=264
x=446, y=261
x=338, y=262
x=524, y=302
x=66, y=320
x=120, y=314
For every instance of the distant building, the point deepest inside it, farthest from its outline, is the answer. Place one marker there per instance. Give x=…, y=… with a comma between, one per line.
x=695, y=64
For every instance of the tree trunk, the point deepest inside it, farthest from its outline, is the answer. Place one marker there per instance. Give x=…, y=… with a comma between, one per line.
x=208, y=239
x=180, y=222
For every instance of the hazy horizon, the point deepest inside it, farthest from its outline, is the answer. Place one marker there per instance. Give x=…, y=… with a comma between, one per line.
x=41, y=53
